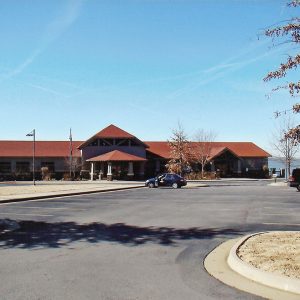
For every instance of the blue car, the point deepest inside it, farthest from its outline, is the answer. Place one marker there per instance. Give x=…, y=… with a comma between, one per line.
x=168, y=179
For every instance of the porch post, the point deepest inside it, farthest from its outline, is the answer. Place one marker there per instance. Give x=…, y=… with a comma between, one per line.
x=130, y=169
x=109, y=173
x=101, y=173
x=92, y=170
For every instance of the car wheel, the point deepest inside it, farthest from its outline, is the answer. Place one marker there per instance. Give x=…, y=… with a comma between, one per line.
x=174, y=185
x=151, y=185
x=298, y=188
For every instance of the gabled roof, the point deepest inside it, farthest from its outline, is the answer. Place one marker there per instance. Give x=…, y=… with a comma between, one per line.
x=216, y=151
x=113, y=131
x=42, y=149
x=244, y=149
x=240, y=149
x=117, y=155
x=110, y=131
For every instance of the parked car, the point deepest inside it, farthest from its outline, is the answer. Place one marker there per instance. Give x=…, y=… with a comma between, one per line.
x=294, y=180
x=168, y=179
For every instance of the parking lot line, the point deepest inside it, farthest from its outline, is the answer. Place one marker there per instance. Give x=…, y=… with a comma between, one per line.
x=32, y=215
x=45, y=208
x=285, y=224
x=277, y=214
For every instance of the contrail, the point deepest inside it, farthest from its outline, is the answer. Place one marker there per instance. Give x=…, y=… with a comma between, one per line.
x=219, y=71
x=53, y=30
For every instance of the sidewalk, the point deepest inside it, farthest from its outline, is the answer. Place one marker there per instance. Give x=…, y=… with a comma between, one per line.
x=25, y=190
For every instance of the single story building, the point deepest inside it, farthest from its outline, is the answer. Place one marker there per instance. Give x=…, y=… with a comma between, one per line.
x=115, y=153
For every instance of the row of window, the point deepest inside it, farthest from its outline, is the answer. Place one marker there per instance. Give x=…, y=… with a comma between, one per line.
x=114, y=142
x=24, y=166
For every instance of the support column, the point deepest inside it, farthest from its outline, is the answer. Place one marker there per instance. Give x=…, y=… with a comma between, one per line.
x=109, y=171
x=92, y=171
x=130, y=173
x=101, y=173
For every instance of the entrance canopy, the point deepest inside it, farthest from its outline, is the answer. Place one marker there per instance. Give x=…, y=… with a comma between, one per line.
x=116, y=155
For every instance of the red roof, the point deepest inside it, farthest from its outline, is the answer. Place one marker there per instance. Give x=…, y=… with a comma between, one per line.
x=42, y=149
x=161, y=149
x=243, y=149
x=216, y=151
x=240, y=149
x=113, y=131
x=117, y=155
x=110, y=131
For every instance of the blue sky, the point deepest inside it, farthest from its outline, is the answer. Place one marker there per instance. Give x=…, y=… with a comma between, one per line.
x=141, y=65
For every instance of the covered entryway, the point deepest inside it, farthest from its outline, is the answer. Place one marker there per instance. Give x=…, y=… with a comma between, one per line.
x=117, y=165
x=227, y=164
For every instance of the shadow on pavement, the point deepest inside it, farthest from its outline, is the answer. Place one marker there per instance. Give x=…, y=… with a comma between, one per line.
x=33, y=234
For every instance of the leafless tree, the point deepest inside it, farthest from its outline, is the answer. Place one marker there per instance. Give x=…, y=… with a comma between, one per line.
x=202, y=147
x=285, y=146
x=74, y=165
x=179, y=150
x=288, y=32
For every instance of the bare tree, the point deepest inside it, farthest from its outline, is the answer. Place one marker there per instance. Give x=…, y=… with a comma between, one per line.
x=202, y=147
x=74, y=165
x=285, y=146
x=179, y=150
x=288, y=32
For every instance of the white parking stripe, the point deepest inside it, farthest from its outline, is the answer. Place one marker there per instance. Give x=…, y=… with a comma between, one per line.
x=277, y=214
x=285, y=224
x=45, y=208
x=35, y=215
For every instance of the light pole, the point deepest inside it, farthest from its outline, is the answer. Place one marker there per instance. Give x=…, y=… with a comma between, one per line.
x=71, y=154
x=32, y=133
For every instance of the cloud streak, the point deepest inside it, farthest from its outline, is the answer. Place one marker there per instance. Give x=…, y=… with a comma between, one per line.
x=53, y=31
x=221, y=70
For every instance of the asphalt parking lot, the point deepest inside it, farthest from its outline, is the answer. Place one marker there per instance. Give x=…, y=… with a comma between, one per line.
x=134, y=244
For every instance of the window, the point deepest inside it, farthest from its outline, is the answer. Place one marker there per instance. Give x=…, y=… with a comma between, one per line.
x=22, y=167
x=94, y=143
x=134, y=143
x=49, y=165
x=106, y=142
x=124, y=143
x=169, y=177
x=5, y=167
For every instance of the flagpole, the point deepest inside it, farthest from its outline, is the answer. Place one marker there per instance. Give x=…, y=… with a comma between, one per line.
x=33, y=158
x=32, y=133
x=71, y=153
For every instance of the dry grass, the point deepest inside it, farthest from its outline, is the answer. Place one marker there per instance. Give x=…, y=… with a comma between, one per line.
x=276, y=252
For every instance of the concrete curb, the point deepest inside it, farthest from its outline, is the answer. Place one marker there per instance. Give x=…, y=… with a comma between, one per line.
x=67, y=194
x=216, y=265
x=273, y=280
